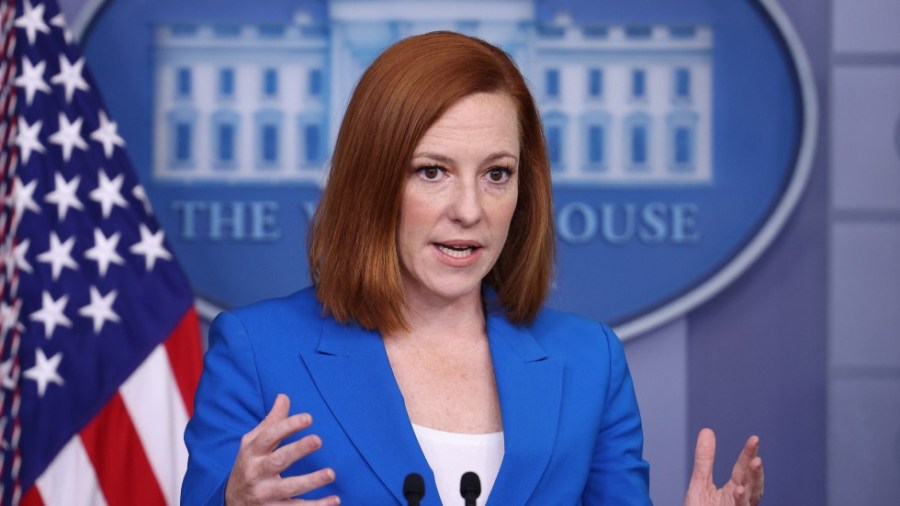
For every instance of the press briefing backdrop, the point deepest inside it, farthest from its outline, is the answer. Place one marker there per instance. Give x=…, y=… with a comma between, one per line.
x=691, y=144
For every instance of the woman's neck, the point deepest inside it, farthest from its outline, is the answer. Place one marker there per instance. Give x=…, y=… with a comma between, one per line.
x=441, y=320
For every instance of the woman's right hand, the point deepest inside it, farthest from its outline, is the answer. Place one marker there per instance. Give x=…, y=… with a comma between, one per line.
x=256, y=475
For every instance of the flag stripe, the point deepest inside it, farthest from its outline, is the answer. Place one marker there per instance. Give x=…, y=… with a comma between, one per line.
x=69, y=480
x=114, y=448
x=32, y=498
x=185, y=354
x=154, y=403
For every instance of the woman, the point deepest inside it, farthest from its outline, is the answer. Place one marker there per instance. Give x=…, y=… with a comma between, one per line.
x=423, y=345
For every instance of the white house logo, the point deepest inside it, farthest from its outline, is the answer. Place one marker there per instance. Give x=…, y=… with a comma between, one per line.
x=679, y=143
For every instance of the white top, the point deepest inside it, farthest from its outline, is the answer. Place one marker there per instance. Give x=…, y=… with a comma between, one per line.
x=450, y=454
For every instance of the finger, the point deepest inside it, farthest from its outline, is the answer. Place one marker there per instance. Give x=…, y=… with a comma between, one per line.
x=297, y=485
x=280, y=409
x=331, y=500
x=739, y=495
x=740, y=471
x=283, y=457
x=272, y=434
x=704, y=458
x=757, y=480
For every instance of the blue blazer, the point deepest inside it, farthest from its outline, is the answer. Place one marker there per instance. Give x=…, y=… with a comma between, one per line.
x=572, y=431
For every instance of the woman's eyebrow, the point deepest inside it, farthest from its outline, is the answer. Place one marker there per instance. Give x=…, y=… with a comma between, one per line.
x=446, y=159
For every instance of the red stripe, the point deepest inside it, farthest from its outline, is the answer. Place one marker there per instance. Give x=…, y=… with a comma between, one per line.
x=183, y=348
x=7, y=54
x=122, y=468
x=9, y=14
x=7, y=112
x=32, y=497
x=9, y=95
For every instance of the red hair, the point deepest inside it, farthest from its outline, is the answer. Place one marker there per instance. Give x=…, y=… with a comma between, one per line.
x=352, y=251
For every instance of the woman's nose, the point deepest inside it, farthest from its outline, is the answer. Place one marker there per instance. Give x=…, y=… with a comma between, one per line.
x=466, y=206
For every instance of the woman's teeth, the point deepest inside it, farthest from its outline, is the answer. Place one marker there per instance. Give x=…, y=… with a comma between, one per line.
x=456, y=252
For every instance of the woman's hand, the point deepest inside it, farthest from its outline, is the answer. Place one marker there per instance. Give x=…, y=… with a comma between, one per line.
x=745, y=488
x=255, y=477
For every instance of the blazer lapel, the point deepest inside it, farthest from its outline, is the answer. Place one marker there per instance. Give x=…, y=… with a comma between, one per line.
x=353, y=376
x=530, y=389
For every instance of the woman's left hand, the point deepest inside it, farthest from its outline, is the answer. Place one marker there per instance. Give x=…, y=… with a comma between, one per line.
x=745, y=488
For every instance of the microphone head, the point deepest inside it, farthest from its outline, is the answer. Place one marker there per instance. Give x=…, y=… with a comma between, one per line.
x=470, y=486
x=413, y=487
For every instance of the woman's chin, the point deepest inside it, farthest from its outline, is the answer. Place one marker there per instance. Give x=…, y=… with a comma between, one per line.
x=447, y=291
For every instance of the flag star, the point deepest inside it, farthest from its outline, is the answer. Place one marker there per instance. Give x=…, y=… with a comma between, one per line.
x=141, y=194
x=19, y=260
x=32, y=21
x=151, y=246
x=6, y=377
x=100, y=309
x=109, y=193
x=9, y=317
x=104, y=251
x=107, y=135
x=23, y=198
x=65, y=195
x=27, y=138
x=59, y=255
x=32, y=79
x=52, y=313
x=44, y=371
x=70, y=76
x=68, y=136
x=59, y=21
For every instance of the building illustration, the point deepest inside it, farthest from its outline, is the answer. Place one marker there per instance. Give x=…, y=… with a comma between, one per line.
x=621, y=104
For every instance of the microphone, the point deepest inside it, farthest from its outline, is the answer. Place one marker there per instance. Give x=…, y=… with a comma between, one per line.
x=470, y=487
x=413, y=489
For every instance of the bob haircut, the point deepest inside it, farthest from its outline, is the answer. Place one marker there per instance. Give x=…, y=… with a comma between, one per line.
x=353, y=255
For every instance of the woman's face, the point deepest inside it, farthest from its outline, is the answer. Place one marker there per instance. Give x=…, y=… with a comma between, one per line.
x=459, y=197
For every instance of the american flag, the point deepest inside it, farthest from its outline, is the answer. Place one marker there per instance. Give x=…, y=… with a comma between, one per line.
x=100, y=342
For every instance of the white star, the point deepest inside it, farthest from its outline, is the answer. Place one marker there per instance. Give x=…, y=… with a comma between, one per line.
x=44, y=371
x=65, y=195
x=104, y=251
x=59, y=21
x=23, y=198
x=100, y=309
x=52, y=313
x=140, y=194
x=108, y=193
x=107, y=135
x=27, y=138
x=9, y=317
x=32, y=21
x=19, y=260
x=151, y=246
x=68, y=136
x=32, y=79
x=70, y=76
x=59, y=255
x=6, y=377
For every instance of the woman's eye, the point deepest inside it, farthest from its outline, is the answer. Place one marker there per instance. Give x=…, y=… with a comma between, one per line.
x=429, y=173
x=498, y=174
